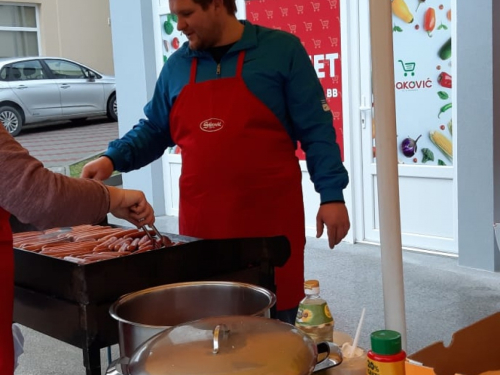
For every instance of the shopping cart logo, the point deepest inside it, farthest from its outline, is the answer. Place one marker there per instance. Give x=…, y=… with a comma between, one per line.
x=408, y=67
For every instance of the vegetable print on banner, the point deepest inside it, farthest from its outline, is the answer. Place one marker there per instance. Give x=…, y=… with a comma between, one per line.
x=422, y=66
x=317, y=24
x=172, y=38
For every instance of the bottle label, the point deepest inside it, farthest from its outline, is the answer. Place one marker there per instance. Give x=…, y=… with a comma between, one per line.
x=385, y=368
x=313, y=315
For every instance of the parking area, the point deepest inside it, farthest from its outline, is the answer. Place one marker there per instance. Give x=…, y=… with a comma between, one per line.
x=65, y=143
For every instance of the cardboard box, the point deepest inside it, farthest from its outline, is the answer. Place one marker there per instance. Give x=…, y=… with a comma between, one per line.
x=473, y=350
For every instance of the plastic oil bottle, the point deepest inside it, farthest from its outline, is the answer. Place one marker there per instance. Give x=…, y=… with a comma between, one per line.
x=314, y=317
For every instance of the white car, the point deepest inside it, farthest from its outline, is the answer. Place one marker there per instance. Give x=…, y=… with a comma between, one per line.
x=38, y=89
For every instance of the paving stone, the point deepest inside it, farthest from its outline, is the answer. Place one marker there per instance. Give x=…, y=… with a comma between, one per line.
x=59, y=146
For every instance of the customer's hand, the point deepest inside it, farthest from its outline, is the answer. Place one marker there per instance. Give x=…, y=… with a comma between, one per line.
x=334, y=215
x=130, y=205
x=98, y=169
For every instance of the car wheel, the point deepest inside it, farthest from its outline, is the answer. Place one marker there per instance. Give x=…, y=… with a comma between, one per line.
x=112, y=110
x=12, y=119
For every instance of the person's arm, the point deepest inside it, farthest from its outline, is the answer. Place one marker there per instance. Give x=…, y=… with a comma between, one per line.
x=130, y=205
x=46, y=199
x=335, y=218
x=313, y=124
x=147, y=140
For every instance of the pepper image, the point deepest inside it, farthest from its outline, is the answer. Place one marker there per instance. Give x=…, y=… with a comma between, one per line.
x=429, y=20
x=445, y=51
x=443, y=109
x=175, y=43
x=444, y=80
x=400, y=10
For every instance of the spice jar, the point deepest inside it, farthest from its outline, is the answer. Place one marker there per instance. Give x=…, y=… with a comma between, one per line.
x=386, y=356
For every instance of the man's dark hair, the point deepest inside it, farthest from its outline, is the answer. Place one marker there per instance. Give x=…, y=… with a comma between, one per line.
x=229, y=4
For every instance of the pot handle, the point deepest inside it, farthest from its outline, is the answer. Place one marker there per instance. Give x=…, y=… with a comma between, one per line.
x=332, y=358
x=323, y=347
x=220, y=332
x=118, y=367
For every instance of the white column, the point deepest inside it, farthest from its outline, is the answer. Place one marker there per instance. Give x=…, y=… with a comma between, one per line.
x=476, y=131
x=134, y=53
x=387, y=166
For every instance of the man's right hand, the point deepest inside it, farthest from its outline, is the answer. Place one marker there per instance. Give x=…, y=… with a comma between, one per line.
x=99, y=169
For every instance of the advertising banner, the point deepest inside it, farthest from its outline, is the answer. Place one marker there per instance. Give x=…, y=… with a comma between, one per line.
x=317, y=24
x=422, y=65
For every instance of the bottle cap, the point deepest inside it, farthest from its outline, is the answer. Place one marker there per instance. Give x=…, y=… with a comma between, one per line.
x=385, y=342
x=309, y=284
x=311, y=287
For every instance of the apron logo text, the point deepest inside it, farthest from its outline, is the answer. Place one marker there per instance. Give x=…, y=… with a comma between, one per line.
x=211, y=125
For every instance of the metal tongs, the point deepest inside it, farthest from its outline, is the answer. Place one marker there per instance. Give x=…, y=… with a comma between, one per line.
x=152, y=238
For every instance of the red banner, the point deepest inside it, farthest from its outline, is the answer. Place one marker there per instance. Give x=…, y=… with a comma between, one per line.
x=317, y=24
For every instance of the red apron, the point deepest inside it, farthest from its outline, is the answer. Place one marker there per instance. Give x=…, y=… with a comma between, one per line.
x=6, y=295
x=240, y=176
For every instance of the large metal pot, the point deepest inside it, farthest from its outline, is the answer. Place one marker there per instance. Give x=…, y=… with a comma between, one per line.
x=143, y=314
x=227, y=345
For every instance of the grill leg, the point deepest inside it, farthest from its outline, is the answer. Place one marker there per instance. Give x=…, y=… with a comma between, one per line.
x=92, y=360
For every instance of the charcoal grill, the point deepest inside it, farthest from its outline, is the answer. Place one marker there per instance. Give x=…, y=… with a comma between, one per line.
x=70, y=302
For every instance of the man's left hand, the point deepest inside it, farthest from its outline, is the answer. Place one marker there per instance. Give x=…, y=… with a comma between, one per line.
x=334, y=215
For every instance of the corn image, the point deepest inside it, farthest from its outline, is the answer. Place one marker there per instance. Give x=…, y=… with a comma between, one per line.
x=443, y=143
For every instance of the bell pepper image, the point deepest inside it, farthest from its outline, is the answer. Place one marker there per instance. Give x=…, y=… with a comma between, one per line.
x=400, y=9
x=444, y=79
x=429, y=20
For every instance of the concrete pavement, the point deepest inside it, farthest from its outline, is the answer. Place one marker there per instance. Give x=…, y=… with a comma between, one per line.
x=65, y=143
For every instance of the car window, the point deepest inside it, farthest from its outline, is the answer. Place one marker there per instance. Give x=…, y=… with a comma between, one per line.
x=5, y=73
x=22, y=71
x=65, y=69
